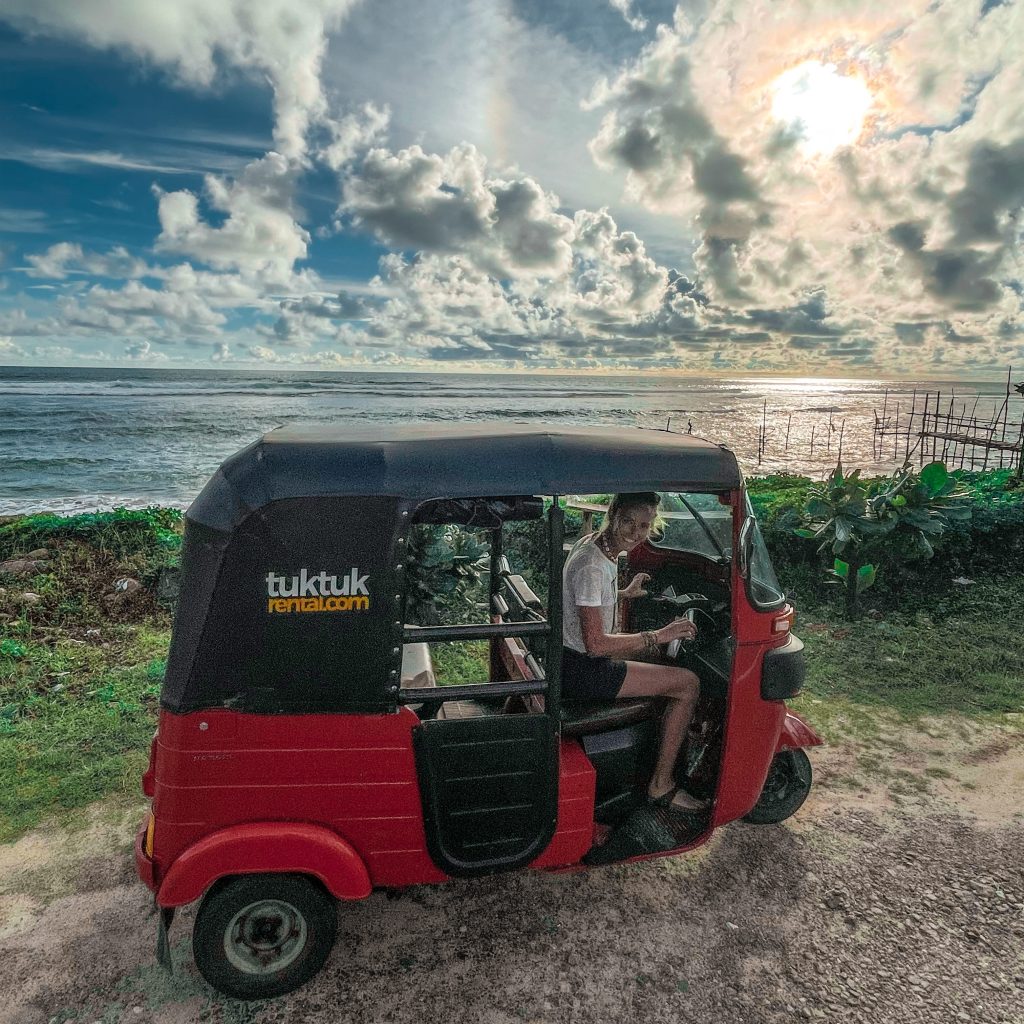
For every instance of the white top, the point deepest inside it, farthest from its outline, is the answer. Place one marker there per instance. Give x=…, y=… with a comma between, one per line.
x=589, y=580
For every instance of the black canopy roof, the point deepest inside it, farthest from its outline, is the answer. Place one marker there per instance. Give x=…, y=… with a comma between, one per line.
x=431, y=461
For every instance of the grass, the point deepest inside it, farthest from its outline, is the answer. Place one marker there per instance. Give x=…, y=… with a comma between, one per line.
x=75, y=721
x=457, y=663
x=964, y=657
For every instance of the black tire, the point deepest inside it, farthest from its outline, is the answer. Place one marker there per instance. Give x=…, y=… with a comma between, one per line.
x=785, y=788
x=258, y=936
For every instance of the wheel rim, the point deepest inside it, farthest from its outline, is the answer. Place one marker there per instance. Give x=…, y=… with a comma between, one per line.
x=265, y=936
x=778, y=783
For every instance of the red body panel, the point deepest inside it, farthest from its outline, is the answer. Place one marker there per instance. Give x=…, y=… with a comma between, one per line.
x=280, y=846
x=796, y=734
x=353, y=775
x=577, y=783
x=752, y=727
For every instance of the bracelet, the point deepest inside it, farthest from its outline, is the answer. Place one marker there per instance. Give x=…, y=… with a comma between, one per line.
x=650, y=642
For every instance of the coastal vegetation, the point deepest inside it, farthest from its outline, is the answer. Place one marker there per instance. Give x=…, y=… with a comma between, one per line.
x=86, y=611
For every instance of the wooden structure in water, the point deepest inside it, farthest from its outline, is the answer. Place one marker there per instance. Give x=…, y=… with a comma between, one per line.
x=951, y=428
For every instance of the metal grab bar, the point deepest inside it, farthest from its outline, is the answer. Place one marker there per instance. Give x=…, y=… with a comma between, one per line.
x=488, y=631
x=471, y=691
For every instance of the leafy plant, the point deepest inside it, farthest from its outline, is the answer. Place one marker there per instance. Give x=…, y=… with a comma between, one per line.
x=446, y=566
x=895, y=519
x=12, y=648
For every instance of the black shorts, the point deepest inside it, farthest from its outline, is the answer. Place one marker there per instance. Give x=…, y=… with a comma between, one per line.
x=588, y=677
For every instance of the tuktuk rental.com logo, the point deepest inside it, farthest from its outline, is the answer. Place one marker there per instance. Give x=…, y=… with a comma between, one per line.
x=317, y=592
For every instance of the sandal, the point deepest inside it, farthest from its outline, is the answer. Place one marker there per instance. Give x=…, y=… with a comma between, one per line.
x=667, y=798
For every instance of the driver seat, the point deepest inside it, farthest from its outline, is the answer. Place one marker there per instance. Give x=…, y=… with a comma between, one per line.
x=585, y=718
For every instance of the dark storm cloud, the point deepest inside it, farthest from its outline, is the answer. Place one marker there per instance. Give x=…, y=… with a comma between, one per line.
x=961, y=278
x=808, y=318
x=722, y=177
x=342, y=307
x=853, y=350
x=994, y=187
x=463, y=351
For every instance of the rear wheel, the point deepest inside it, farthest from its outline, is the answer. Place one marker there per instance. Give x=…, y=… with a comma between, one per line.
x=258, y=936
x=785, y=789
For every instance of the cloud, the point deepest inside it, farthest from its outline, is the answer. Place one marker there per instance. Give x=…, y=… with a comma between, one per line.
x=259, y=234
x=411, y=199
x=915, y=221
x=732, y=244
x=62, y=160
x=120, y=309
x=283, y=40
x=66, y=258
x=138, y=350
x=352, y=134
x=637, y=22
x=23, y=222
x=9, y=350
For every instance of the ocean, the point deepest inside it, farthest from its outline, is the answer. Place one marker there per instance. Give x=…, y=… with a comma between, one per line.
x=82, y=439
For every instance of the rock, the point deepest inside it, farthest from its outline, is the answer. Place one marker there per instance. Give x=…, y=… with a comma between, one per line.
x=38, y=553
x=123, y=590
x=30, y=598
x=22, y=566
x=835, y=900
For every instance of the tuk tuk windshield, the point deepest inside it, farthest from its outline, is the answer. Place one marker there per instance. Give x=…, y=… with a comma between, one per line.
x=695, y=522
x=763, y=585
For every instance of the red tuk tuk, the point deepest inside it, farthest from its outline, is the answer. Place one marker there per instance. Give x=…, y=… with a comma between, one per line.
x=304, y=754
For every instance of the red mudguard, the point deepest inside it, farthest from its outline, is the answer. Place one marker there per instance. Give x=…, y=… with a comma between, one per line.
x=796, y=734
x=266, y=847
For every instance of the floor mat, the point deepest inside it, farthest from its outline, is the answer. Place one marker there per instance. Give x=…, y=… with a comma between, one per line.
x=648, y=830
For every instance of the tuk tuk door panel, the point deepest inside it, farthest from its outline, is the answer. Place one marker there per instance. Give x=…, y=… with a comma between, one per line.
x=489, y=789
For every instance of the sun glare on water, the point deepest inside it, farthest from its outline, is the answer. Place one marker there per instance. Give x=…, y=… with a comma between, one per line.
x=823, y=108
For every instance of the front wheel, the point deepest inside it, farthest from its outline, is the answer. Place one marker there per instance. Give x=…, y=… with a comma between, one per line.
x=785, y=789
x=258, y=936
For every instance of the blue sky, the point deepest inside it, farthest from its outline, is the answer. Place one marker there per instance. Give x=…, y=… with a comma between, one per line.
x=735, y=186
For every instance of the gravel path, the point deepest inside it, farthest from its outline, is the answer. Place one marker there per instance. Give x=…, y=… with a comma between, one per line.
x=848, y=912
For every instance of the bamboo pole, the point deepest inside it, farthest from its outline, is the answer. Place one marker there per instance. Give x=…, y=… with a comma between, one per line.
x=949, y=420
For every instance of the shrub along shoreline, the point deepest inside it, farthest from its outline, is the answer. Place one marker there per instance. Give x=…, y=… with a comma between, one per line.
x=84, y=631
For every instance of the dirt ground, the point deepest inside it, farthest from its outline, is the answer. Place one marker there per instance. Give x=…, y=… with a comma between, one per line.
x=867, y=904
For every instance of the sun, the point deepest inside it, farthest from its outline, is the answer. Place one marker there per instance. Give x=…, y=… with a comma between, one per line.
x=823, y=108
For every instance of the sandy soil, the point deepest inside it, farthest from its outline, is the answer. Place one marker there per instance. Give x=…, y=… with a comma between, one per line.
x=866, y=905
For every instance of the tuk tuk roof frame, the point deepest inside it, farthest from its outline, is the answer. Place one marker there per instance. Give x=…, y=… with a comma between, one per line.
x=422, y=462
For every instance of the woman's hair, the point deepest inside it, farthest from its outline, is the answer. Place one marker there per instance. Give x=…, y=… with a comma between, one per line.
x=625, y=502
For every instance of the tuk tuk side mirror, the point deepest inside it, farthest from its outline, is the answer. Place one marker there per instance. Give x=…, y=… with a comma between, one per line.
x=746, y=547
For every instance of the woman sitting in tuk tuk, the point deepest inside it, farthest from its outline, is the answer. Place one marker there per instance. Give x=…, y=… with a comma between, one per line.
x=595, y=660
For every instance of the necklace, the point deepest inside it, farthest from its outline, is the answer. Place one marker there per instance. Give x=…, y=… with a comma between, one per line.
x=602, y=540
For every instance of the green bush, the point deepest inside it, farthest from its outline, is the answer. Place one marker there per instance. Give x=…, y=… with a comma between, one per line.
x=992, y=541
x=122, y=532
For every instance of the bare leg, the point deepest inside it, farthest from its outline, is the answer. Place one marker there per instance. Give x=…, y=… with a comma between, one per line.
x=682, y=687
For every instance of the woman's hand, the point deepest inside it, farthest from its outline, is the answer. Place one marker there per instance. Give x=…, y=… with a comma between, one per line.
x=677, y=629
x=636, y=586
